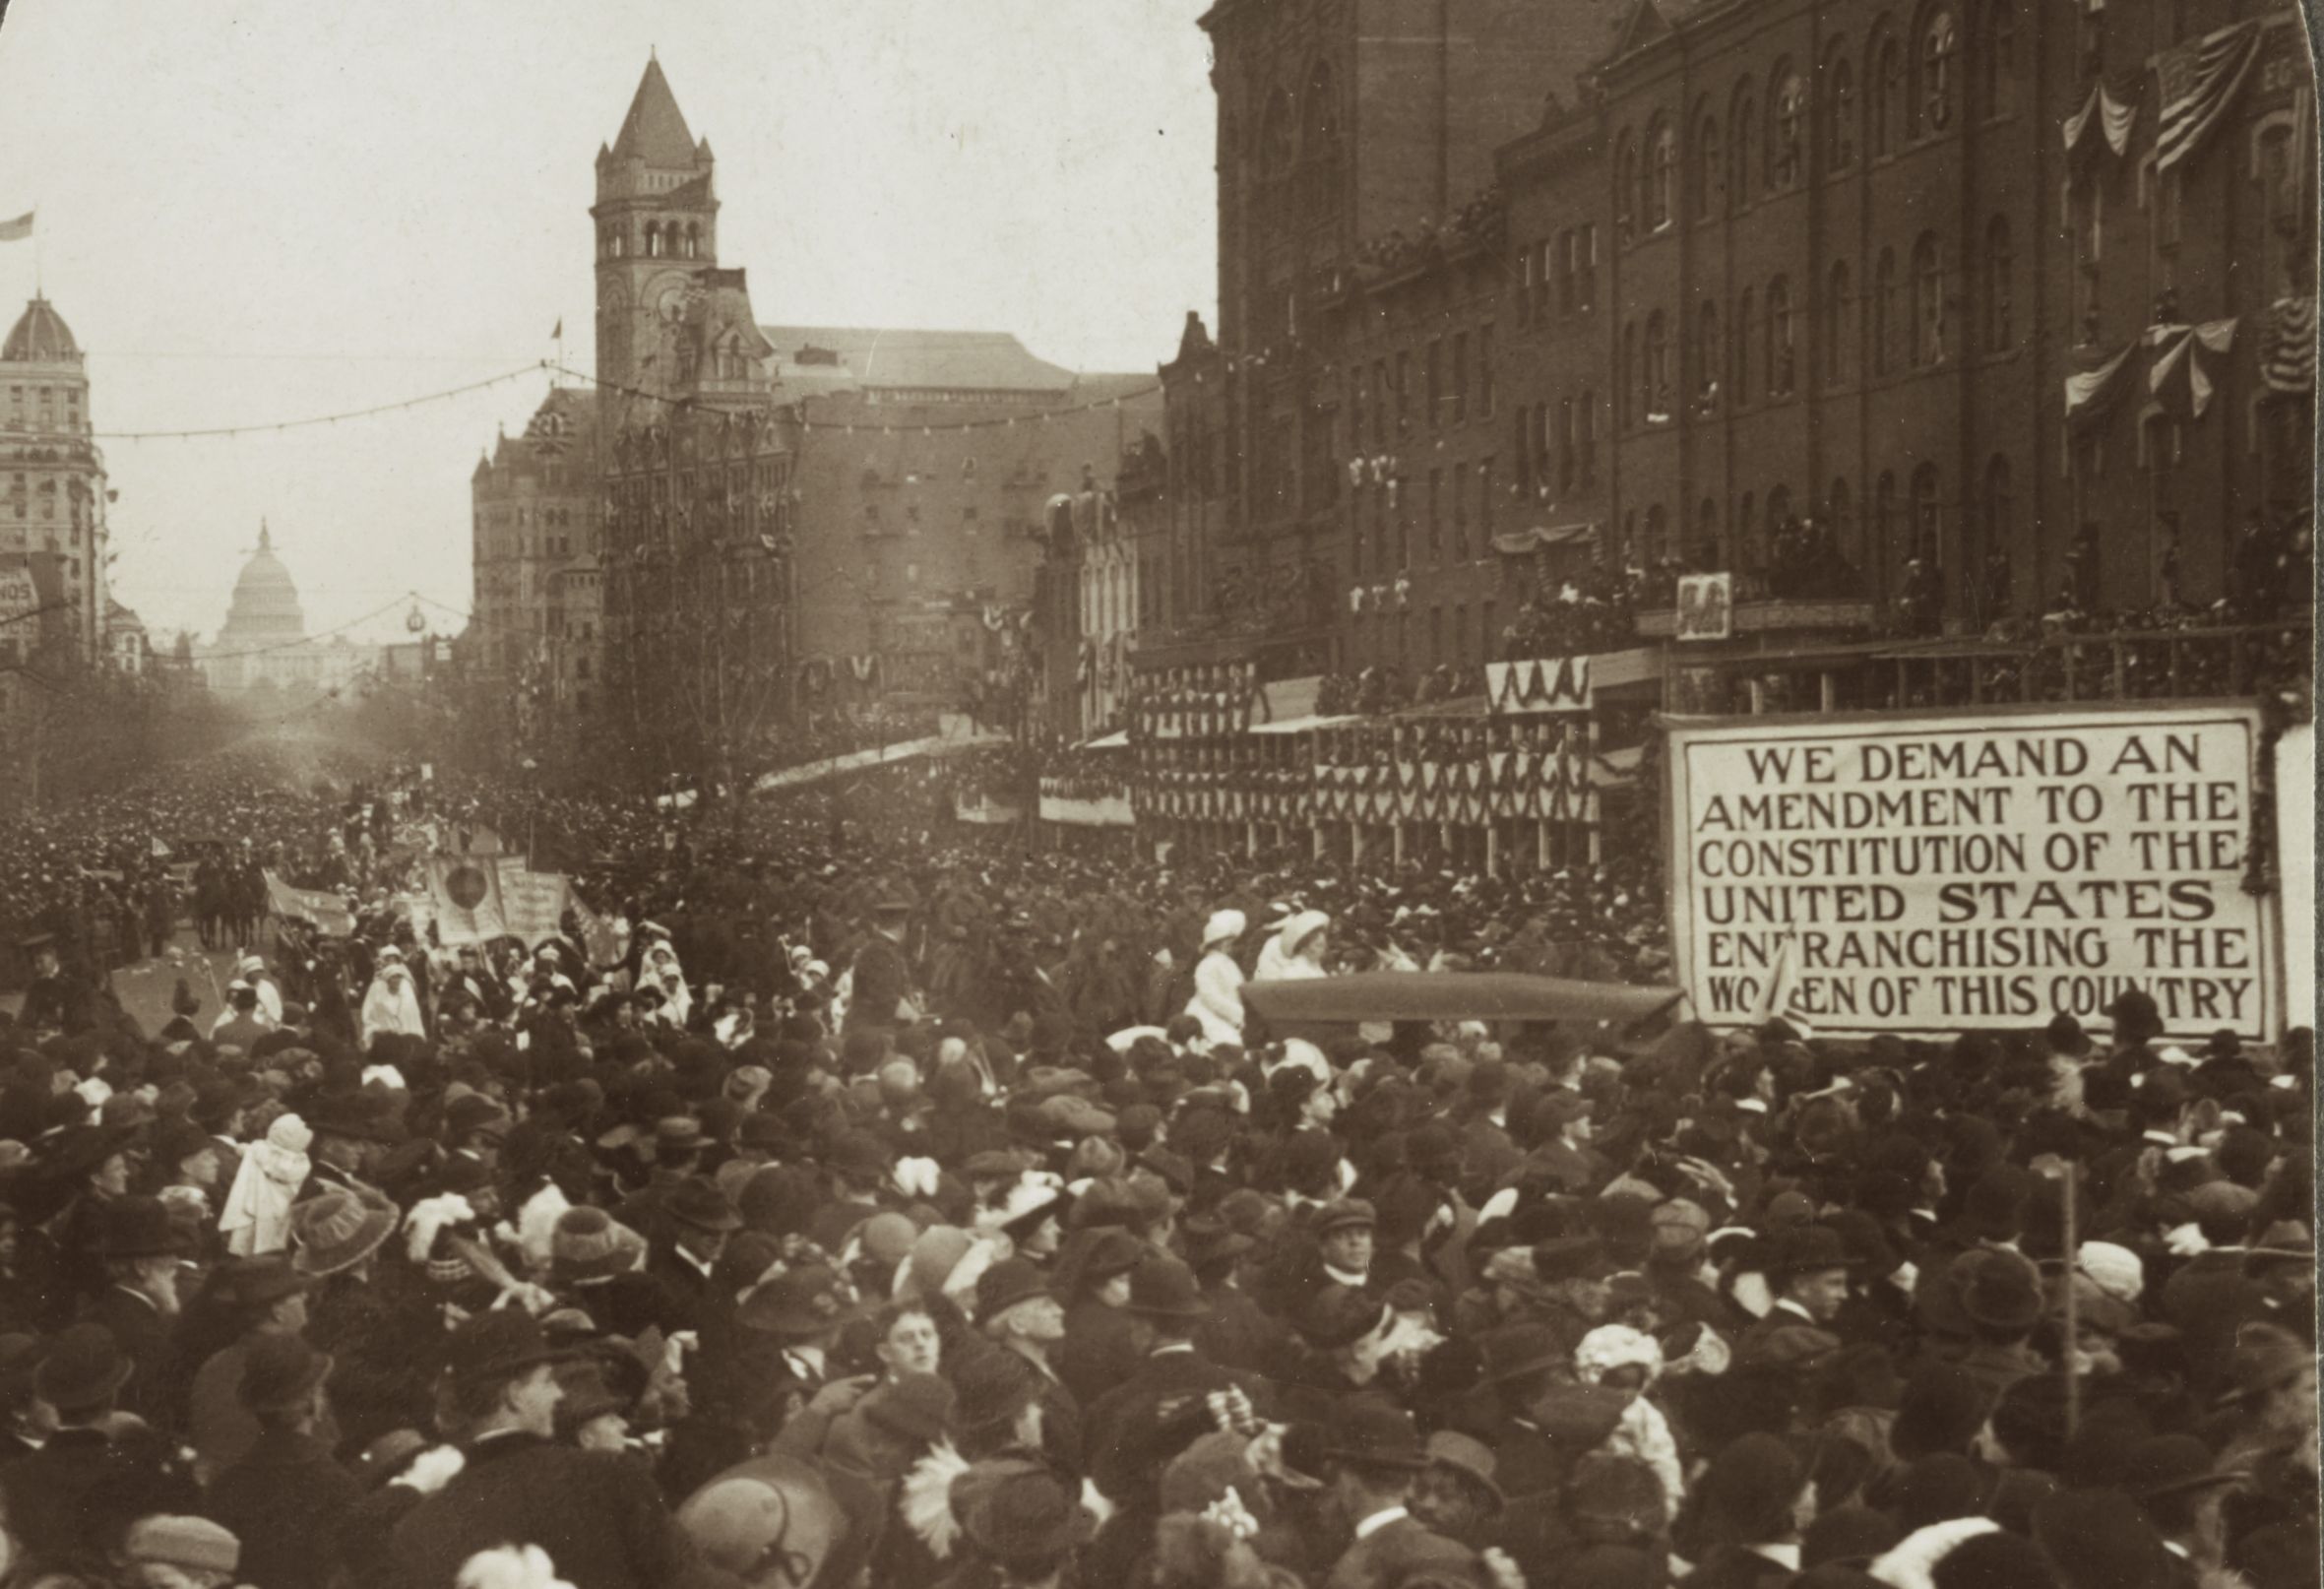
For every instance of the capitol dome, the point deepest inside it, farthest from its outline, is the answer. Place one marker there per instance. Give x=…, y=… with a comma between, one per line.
x=41, y=336
x=264, y=611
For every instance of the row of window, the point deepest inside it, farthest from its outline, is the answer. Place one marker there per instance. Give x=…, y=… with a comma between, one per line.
x=1907, y=314
x=1894, y=523
x=1455, y=384
x=1453, y=489
x=1453, y=647
x=1570, y=261
x=1911, y=92
x=660, y=239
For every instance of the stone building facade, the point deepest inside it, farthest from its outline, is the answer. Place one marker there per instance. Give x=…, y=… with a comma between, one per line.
x=53, y=491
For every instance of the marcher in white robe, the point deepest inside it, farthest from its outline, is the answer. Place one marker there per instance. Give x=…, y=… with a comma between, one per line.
x=254, y=970
x=1218, y=979
x=661, y=970
x=392, y=1004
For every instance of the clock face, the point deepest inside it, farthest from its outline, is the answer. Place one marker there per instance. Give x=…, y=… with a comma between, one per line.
x=669, y=301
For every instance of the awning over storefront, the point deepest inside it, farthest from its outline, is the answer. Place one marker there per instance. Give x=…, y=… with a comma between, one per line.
x=1118, y=739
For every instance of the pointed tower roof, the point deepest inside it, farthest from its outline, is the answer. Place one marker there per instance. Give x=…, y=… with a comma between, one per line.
x=655, y=130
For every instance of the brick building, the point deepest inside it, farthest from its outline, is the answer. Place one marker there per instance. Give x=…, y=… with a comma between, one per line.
x=53, y=492
x=537, y=502
x=1885, y=309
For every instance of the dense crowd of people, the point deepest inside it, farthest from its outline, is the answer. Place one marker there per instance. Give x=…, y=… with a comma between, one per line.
x=847, y=1197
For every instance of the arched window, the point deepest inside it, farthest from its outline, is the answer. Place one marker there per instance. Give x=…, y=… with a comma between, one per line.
x=1884, y=529
x=1888, y=94
x=1926, y=523
x=1742, y=123
x=1783, y=367
x=1657, y=391
x=1710, y=353
x=1787, y=129
x=1705, y=547
x=1662, y=176
x=1999, y=59
x=1746, y=547
x=653, y=240
x=693, y=240
x=1625, y=187
x=1744, y=330
x=1884, y=312
x=1709, y=172
x=1839, y=519
x=620, y=243
x=1997, y=536
x=1625, y=378
x=1928, y=302
x=1779, y=510
x=1840, y=111
x=1657, y=530
x=1940, y=43
x=1837, y=362
x=2000, y=306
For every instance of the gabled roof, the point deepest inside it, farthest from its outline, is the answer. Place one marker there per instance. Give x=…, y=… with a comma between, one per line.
x=655, y=130
x=1646, y=24
x=842, y=357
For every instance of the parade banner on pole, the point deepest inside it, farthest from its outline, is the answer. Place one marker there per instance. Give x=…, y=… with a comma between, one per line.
x=532, y=903
x=466, y=893
x=1929, y=874
x=325, y=910
x=604, y=939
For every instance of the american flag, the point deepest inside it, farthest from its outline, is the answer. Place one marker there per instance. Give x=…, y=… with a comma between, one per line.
x=2199, y=81
x=2287, y=359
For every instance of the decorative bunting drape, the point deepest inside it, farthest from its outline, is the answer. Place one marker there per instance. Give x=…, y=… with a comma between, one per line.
x=2091, y=394
x=2101, y=117
x=2176, y=378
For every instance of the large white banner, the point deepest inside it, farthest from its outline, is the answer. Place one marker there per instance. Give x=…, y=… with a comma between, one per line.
x=1929, y=874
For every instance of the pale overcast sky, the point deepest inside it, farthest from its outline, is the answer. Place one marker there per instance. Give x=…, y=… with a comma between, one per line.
x=254, y=212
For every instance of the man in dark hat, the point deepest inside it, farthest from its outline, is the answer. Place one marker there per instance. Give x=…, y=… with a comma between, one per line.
x=595, y=1515
x=269, y=1299
x=1141, y=1424
x=69, y=1502
x=1808, y=1270
x=882, y=995
x=284, y=1497
x=145, y=1252
x=1018, y=1312
x=696, y=1223
x=1372, y=1457
x=54, y=1002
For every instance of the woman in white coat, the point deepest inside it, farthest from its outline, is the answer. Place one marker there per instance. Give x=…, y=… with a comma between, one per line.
x=1301, y=946
x=1218, y=979
x=393, y=1004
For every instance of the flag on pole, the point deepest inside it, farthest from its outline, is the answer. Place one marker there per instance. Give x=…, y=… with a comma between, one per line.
x=2199, y=81
x=558, y=334
x=532, y=903
x=325, y=910
x=17, y=230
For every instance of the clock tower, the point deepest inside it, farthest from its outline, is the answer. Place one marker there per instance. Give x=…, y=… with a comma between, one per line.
x=657, y=218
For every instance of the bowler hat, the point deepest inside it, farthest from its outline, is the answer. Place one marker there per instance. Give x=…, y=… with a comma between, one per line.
x=1164, y=1288
x=1337, y=1316
x=1515, y=1351
x=1006, y=1284
x=1804, y=1249
x=258, y=1282
x=1210, y=1242
x=194, y=1544
x=280, y=1372
x=1470, y=1458
x=698, y=1203
x=915, y=1405
x=993, y=1388
x=1376, y=1435
x=499, y=1344
x=139, y=1228
x=83, y=1368
x=678, y=1133
x=1018, y=1516
x=1998, y=1291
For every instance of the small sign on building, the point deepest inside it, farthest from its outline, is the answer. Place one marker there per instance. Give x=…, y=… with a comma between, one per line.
x=1706, y=606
